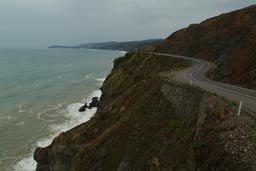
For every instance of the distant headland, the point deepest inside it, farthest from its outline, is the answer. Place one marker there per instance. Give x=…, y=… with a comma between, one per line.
x=122, y=46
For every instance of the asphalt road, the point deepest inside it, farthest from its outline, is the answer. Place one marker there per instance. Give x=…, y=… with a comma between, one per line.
x=196, y=76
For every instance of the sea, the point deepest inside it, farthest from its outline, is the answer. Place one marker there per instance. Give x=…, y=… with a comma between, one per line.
x=41, y=91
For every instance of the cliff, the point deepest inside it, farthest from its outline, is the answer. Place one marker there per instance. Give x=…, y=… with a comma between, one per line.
x=150, y=122
x=228, y=40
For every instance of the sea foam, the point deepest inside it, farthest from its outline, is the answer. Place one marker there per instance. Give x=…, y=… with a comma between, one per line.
x=74, y=118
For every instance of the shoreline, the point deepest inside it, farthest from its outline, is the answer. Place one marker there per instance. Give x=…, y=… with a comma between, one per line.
x=75, y=118
x=72, y=117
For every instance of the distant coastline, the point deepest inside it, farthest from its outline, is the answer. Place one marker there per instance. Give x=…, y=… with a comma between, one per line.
x=121, y=46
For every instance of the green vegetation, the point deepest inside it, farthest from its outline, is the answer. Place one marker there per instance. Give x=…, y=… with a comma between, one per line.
x=253, y=125
x=174, y=126
x=211, y=93
x=223, y=98
x=221, y=137
x=199, y=146
x=234, y=104
x=150, y=122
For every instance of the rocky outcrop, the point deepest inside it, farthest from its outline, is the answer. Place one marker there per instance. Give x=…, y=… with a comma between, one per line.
x=228, y=40
x=95, y=103
x=149, y=122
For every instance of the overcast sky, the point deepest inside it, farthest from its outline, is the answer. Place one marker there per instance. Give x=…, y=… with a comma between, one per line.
x=40, y=23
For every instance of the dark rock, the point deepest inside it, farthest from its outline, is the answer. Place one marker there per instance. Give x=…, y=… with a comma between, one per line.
x=41, y=156
x=83, y=108
x=95, y=98
x=95, y=103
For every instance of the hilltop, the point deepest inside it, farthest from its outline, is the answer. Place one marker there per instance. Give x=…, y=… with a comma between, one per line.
x=228, y=40
x=149, y=121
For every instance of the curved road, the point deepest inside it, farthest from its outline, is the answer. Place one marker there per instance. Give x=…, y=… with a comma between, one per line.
x=196, y=75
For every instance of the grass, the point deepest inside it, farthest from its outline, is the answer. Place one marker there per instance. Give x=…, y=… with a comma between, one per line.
x=199, y=146
x=234, y=104
x=223, y=98
x=221, y=137
x=212, y=94
x=253, y=136
x=173, y=126
x=253, y=125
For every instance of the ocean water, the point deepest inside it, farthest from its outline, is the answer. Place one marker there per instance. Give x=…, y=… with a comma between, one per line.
x=41, y=91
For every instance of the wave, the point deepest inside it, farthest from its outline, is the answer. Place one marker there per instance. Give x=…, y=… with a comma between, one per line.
x=86, y=77
x=44, y=83
x=8, y=117
x=123, y=52
x=39, y=117
x=73, y=118
x=20, y=123
x=21, y=109
x=44, y=115
x=101, y=79
x=26, y=164
x=3, y=155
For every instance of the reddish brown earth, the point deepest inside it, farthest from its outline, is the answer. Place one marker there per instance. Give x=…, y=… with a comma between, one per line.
x=228, y=40
x=148, y=121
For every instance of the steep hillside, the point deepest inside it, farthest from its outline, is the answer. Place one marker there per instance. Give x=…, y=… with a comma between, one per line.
x=228, y=40
x=150, y=122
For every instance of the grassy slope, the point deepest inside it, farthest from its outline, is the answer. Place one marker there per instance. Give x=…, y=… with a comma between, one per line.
x=228, y=40
x=149, y=122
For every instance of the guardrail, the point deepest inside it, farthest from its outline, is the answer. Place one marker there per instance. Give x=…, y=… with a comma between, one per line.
x=195, y=75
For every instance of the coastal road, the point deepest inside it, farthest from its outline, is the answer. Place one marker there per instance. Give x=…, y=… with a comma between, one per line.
x=196, y=76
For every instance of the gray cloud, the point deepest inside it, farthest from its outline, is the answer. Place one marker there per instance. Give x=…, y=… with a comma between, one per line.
x=33, y=23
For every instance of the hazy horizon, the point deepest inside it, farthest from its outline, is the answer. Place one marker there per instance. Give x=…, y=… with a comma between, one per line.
x=29, y=23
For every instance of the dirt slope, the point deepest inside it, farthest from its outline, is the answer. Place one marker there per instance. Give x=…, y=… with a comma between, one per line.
x=150, y=122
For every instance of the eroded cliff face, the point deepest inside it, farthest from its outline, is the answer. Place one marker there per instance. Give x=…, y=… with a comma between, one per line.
x=150, y=122
x=228, y=40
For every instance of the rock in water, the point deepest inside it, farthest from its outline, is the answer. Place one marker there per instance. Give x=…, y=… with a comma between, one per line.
x=95, y=102
x=95, y=98
x=83, y=108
